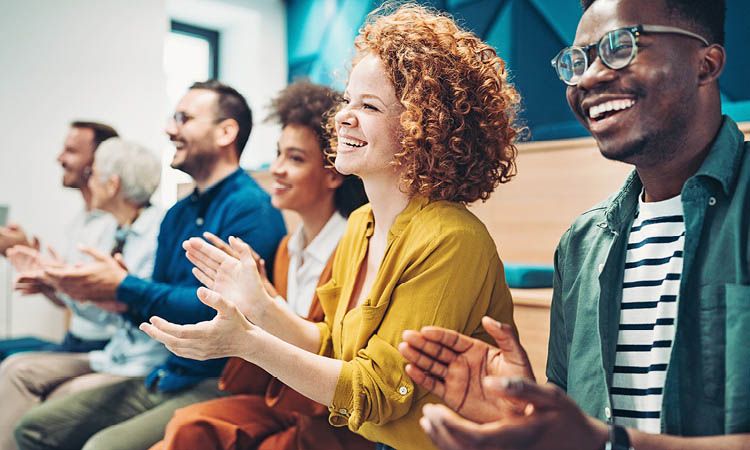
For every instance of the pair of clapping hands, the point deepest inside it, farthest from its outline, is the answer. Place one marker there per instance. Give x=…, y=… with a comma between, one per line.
x=39, y=273
x=492, y=400
x=236, y=286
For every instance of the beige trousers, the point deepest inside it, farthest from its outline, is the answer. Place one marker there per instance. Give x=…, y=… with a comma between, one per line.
x=26, y=379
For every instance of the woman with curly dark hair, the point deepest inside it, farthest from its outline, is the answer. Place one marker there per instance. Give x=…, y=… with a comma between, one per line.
x=427, y=123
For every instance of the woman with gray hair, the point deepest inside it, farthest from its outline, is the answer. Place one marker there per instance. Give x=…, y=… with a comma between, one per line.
x=123, y=179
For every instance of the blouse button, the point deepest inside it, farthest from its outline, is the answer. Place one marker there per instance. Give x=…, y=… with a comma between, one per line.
x=402, y=390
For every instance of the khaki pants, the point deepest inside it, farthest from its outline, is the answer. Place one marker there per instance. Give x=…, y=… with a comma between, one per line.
x=27, y=379
x=122, y=415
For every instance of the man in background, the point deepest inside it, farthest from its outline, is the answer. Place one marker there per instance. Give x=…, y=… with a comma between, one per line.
x=90, y=227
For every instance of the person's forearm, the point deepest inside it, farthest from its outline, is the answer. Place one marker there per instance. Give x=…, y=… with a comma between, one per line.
x=645, y=441
x=283, y=323
x=311, y=375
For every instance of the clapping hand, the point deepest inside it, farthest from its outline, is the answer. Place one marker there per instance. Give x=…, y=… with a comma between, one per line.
x=233, y=270
x=227, y=334
x=550, y=421
x=453, y=365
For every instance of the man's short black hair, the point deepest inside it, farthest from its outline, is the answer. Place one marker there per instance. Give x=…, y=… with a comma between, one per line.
x=102, y=131
x=231, y=105
x=706, y=16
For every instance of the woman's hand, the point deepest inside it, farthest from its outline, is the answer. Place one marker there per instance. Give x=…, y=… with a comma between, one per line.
x=226, y=248
x=235, y=276
x=229, y=333
x=453, y=366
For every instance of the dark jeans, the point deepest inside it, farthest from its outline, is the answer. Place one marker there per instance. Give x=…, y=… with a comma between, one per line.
x=70, y=344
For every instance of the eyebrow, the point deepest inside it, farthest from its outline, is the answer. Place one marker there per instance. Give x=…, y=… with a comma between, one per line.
x=365, y=96
x=292, y=149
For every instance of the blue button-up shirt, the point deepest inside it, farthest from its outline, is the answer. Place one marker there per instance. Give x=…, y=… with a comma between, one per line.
x=236, y=206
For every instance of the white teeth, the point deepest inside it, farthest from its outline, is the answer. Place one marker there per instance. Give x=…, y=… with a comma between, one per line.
x=279, y=186
x=352, y=142
x=612, y=105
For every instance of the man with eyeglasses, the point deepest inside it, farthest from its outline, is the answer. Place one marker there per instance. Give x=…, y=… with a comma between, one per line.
x=650, y=319
x=209, y=130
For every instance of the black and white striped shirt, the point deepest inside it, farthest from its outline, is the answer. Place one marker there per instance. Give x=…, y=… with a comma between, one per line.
x=653, y=266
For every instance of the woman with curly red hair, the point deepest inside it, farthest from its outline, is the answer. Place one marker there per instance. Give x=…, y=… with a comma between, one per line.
x=427, y=123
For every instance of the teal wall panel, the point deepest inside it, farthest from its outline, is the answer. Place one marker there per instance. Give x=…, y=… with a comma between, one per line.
x=526, y=33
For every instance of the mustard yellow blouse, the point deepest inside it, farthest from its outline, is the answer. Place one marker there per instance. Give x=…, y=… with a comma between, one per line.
x=440, y=268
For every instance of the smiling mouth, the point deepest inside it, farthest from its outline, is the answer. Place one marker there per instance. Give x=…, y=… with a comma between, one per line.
x=610, y=108
x=276, y=186
x=352, y=143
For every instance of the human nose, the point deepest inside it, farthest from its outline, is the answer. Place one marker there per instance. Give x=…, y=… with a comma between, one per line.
x=346, y=117
x=277, y=166
x=597, y=72
x=171, y=127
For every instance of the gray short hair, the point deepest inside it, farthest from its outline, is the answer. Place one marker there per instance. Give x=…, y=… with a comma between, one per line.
x=137, y=167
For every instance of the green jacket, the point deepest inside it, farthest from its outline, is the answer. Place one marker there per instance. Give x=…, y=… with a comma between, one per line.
x=707, y=387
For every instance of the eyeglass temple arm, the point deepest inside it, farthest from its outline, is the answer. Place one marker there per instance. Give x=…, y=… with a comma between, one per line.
x=666, y=29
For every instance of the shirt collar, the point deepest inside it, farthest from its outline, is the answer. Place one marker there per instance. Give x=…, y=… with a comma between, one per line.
x=723, y=160
x=322, y=244
x=415, y=205
x=217, y=188
x=721, y=164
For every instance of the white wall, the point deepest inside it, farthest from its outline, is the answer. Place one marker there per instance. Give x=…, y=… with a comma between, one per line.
x=103, y=60
x=77, y=59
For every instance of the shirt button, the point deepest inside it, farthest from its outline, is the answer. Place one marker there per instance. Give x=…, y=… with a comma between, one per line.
x=199, y=221
x=711, y=201
x=402, y=390
x=607, y=412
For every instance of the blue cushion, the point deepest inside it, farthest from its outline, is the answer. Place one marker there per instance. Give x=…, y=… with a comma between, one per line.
x=529, y=276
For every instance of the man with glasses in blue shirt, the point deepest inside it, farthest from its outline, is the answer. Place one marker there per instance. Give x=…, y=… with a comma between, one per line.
x=650, y=317
x=209, y=130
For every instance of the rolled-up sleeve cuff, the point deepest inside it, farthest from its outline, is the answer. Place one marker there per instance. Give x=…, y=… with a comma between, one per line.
x=346, y=407
x=131, y=291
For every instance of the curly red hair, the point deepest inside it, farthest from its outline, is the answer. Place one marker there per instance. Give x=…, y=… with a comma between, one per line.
x=458, y=127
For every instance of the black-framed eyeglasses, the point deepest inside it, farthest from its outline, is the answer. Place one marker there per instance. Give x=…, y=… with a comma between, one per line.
x=617, y=49
x=181, y=118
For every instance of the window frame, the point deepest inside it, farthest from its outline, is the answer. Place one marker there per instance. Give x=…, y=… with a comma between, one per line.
x=212, y=37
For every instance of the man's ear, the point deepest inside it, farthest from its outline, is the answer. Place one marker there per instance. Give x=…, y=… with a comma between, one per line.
x=226, y=132
x=113, y=185
x=712, y=64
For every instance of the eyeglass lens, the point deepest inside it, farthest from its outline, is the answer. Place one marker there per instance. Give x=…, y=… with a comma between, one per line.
x=616, y=49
